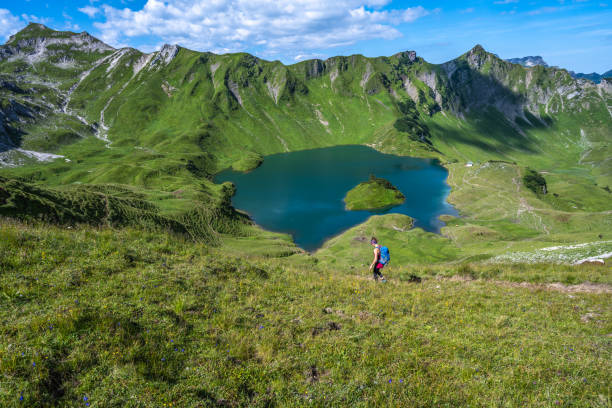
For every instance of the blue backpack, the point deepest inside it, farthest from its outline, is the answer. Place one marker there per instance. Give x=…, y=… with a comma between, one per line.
x=385, y=257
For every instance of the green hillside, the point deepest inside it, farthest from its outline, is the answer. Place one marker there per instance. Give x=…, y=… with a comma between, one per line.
x=373, y=194
x=133, y=318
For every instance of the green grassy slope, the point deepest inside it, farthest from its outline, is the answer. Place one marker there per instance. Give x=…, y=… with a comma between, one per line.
x=132, y=318
x=372, y=194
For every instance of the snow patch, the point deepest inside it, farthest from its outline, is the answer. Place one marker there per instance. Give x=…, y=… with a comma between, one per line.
x=7, y=158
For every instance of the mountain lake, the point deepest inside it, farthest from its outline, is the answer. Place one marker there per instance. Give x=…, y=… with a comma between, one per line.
x=301, y=193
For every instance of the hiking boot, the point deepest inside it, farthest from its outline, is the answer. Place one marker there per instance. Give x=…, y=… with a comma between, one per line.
x=383, y=280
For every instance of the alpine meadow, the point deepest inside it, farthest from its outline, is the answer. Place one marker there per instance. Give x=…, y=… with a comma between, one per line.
x=129, y=279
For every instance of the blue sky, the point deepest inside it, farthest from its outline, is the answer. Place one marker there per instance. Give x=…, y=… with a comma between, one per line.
x=573, y=34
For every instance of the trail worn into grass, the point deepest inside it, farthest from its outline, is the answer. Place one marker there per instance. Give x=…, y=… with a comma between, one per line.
x=585, y=287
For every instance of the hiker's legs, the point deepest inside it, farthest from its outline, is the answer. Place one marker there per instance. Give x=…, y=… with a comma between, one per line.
x=377, y=273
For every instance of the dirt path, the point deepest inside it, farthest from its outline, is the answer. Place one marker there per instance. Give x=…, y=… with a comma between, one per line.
x=586, y=287
x=524, y=206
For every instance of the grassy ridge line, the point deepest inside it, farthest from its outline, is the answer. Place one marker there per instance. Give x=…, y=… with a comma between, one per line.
x=127, y=317
x=113, y=205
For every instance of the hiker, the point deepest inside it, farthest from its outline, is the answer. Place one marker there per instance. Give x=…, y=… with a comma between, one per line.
x=381, y=257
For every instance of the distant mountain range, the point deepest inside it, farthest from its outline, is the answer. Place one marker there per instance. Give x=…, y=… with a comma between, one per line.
x=532, y=61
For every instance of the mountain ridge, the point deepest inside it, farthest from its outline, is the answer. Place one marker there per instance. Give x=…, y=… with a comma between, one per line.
x=532, y=61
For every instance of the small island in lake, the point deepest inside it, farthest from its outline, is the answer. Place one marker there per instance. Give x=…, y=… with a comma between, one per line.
x=373, y=194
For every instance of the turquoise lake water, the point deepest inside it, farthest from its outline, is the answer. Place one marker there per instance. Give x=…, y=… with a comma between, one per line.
x=301, y=193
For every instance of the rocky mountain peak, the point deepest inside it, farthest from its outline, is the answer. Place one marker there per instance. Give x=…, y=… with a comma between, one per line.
x=477, y=56
x=33, y=45
x=166, y=54
x=407, y=55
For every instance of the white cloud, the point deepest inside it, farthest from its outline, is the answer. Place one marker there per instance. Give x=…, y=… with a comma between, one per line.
x=9, y=24
x=90, y=11
x=277, y=26
x=505, y=1
x=543, y=10
x=305, y=56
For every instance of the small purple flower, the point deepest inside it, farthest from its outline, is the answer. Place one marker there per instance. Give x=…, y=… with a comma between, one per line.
x=182, y=350
x=163, y=359
x=171, y=341
x=390, y=381
x=261, y=327
x=33, y=364
x=401, y=381
x=571, y=349
x=175, y=349
x=87, y=404
x=85, y=398
x=22, y=354
x=20, y=397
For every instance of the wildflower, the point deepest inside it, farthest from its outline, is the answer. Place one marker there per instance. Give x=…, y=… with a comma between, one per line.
x=182, y=350
x=401, y=381
x=175, y=349
x=390, y=381
x=85, y=398
x=261, y=327
x=20, y=397
x=33, y=364
x=163, y=359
